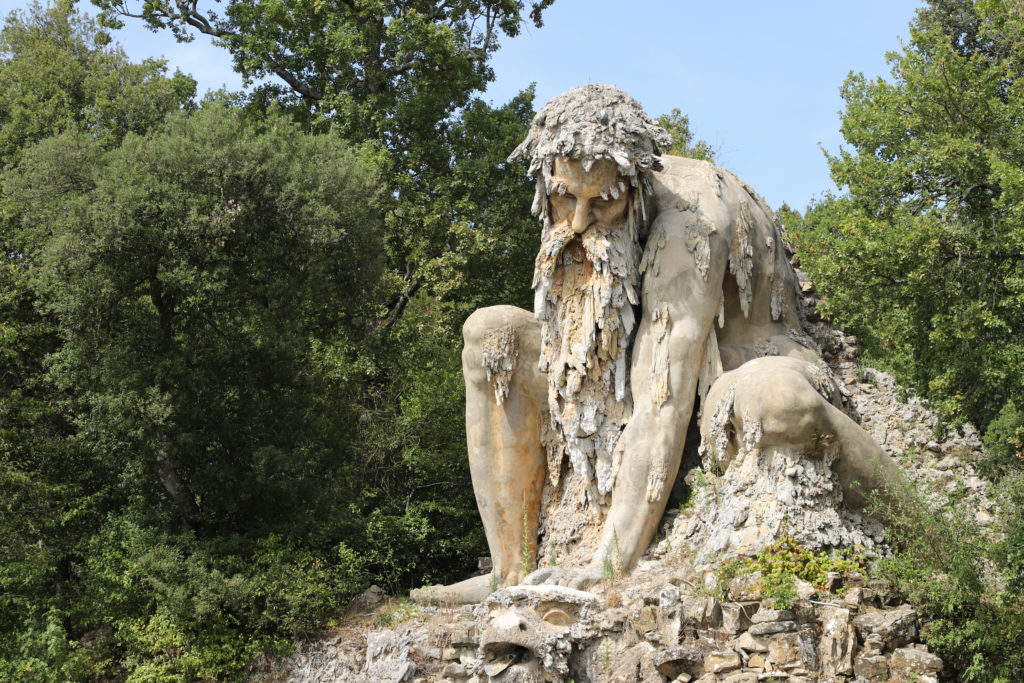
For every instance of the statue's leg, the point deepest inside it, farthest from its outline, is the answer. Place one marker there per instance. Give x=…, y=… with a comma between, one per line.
x=781, y=394
x=506, y=460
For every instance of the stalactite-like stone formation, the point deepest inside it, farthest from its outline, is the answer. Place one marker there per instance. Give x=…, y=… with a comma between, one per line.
x=714, y=445
x=500, y=355
x=741, y=258
x=592, y=122
x=778, y=297
x=659, y=362
x=586, y=288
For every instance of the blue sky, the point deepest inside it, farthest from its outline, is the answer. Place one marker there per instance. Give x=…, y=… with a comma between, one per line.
x=759, y=80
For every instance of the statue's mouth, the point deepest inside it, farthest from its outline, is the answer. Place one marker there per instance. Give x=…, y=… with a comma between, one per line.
x=501, y=656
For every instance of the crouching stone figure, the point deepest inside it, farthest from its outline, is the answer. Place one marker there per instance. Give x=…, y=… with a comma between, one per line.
x=661, y=283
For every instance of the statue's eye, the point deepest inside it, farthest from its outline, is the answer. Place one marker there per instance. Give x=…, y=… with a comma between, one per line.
x=557, y=617
x=564, y=204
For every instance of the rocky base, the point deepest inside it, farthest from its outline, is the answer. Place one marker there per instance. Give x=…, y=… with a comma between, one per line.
x=771, y=491
x=655, y=627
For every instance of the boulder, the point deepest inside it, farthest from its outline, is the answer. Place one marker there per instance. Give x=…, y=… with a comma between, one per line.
x=838, y=642
x=769, y=627
x=896, y=627
x=906, y=663
x=792, y=650
x=871, y=667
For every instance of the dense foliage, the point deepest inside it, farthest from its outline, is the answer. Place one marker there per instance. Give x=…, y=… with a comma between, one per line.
x=923, y=258
x=223, y=335
x=966, y=580
x=402, y=74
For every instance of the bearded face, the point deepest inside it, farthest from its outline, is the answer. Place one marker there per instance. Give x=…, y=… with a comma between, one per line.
x=586, y=282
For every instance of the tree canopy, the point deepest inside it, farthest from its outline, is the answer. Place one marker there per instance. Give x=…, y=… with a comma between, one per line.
x=923, y=256
x=224, y=330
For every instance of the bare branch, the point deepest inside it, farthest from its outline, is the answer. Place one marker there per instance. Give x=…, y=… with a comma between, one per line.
x=403, y=300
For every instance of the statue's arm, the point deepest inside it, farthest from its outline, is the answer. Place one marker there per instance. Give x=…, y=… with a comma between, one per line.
x=679, y=303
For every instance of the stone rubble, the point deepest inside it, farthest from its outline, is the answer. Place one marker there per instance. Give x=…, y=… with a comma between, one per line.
x=661, y=628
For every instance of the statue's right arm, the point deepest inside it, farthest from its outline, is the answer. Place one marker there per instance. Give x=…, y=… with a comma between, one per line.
x=679, y=303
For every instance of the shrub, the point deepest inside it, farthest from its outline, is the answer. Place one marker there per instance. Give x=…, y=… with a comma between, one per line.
x=965, y=581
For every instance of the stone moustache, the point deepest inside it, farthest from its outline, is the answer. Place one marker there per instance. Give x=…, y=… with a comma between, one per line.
x=662, y=284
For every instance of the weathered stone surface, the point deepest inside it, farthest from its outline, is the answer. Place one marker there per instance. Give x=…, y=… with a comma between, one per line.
x=701, y=612
x=627, y=664
x=790, y=650
x=873, y=643
x=736, y=616
x=769, y=627
x=722, y=660
x=645, y=620
x=896, y=628
x=746, y=587
x=838, y=642
x=463, y=633
x=872, y=667
x=805, y=612
x=455, y=670
x=742, y=677
x=768, y=614
x=906, y=661
x=689, y=658
x=750, y=643
x=531, y=629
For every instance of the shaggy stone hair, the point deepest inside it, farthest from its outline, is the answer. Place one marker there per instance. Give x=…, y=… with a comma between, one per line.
x=593, y=122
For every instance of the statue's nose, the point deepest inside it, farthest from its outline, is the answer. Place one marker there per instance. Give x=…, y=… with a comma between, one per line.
x=581, y=216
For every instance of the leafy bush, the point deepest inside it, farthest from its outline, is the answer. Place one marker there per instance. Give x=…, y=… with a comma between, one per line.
x=183, y=609
x=967, y=582
x=786, y=560
x=1004, y=439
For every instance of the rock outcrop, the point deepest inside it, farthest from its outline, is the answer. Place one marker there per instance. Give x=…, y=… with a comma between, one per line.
x=656, y=626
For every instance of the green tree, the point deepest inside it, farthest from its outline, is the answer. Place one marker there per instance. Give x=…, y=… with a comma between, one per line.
x=678, y=126
x=924, y=256
x=204, y=281
x=210, y=284
x=402, y=74
x=58, y=72
x=456, y=228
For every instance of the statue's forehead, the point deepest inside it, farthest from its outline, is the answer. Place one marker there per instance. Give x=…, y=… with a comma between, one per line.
x=603, y=174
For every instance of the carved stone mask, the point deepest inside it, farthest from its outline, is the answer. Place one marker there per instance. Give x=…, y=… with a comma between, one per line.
x=530, y=630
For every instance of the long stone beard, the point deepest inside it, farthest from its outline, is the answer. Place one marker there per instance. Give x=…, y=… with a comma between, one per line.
x=585, y=289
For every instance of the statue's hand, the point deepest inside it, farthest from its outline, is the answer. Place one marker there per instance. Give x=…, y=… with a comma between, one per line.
x=580, y=578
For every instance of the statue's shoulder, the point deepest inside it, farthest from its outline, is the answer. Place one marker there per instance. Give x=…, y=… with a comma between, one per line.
x=691, y=191
x=683, y=180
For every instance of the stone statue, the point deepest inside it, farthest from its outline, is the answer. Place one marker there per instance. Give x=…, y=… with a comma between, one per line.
x=662, y=283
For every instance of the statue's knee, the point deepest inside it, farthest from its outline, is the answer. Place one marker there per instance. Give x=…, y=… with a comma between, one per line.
x=789, y=413
x=486, y=321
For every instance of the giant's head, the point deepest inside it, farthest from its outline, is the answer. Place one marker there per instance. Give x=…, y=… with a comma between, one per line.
x=592, y=151
x=598, y=133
